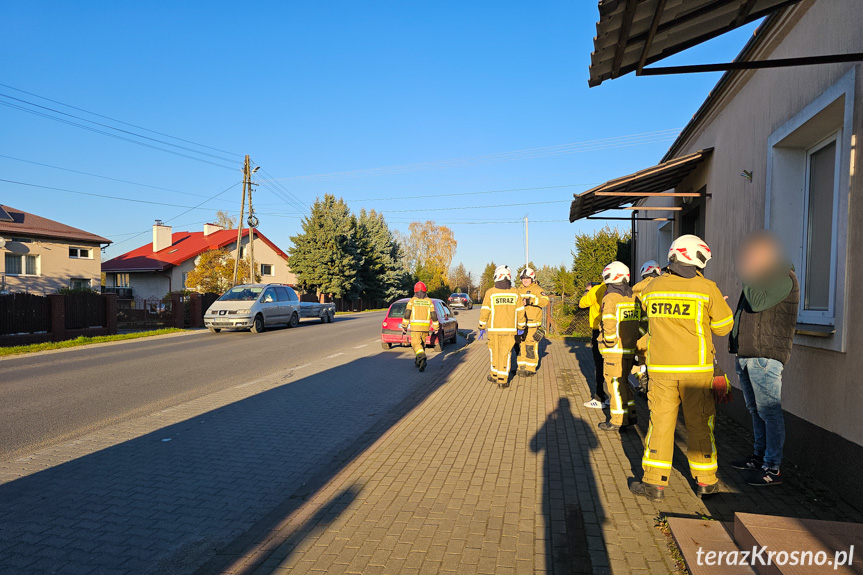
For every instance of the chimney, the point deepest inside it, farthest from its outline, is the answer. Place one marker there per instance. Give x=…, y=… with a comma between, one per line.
x=212, y=228
x=162, y=236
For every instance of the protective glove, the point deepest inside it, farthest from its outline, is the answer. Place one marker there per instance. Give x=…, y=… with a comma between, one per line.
x=404, y=328
x=481, y=334
x=520, y=332
x=721, y=386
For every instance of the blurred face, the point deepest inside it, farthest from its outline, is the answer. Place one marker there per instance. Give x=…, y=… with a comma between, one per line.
x=758, y=256
x=526, y=281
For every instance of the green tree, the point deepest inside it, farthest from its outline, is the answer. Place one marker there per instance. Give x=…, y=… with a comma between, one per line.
x=325, y=256
x=545, y=277
x=594, y=251
x=382, y=275
x=486, y=279
x=460, y=279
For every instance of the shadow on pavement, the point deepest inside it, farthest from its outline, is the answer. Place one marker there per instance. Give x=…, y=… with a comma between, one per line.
x=168, y=501
x=570, y=504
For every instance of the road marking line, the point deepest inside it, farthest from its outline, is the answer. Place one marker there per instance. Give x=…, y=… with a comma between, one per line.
x=335, y=355
x=302, y=366
x=359, y=346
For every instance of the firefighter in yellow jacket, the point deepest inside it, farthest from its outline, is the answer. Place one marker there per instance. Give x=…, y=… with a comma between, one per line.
x=650, y=270
x=502, y=316
x=682, y=308
x=620, y=328
x=534, y=299
x=421, y=317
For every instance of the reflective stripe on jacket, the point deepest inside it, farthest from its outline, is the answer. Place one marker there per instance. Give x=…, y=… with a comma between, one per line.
x=681, y=315
x=536, y=300
x=502, y=311
x=420, y=315
x=621, y=325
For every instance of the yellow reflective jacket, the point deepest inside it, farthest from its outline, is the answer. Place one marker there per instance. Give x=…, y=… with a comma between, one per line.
x=502, y=312
x=621, y=325
x=639, y=287
x=593, y=300
x=681, y=314
x=420, y=315
x=534, y=299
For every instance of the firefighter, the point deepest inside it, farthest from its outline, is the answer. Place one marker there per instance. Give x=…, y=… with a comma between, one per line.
x=534, y=299
x=420, y=316
x=502, y=315
x=649, y=270
x=592, y=299
x=682, y=308
x=620, y=329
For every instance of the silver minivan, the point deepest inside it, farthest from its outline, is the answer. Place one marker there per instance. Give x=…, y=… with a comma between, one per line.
x=259, y=306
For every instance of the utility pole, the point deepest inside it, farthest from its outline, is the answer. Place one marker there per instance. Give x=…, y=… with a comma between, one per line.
x=526, y=244
x=240, y=222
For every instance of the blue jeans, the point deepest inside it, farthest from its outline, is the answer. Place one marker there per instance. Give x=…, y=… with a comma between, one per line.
x=761, y=383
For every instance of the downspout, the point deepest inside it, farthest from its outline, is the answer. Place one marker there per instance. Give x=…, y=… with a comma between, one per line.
x=633, y=249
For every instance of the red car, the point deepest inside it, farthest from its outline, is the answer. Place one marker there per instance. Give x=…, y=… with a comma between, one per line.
x=391, y=330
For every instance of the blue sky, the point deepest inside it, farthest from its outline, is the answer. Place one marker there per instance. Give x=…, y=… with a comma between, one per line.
x=324, y=88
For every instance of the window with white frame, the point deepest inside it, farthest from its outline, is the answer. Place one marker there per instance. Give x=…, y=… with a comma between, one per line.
x=81, y=253
x=808, y=190
x=22, y=265
x=121, y=280
x=79, y=283
x=185, y=279
x=267, y=270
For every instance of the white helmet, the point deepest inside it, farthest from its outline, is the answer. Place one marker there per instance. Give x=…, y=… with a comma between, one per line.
x=615, y=273
x=528, y=273
x=650, y=267
x=689, y=250
x=502, y=273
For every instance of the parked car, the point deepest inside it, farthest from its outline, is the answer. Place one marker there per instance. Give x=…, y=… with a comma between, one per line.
x=461, y=300
x=259, y=306
x=391, y=331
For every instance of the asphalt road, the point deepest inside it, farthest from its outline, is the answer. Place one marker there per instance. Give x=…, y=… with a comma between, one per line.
x=52, y=397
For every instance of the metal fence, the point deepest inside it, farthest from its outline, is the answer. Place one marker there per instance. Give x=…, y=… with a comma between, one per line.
x=85, y=309
x=24, y=313
x=563, y=317
x=139, y=314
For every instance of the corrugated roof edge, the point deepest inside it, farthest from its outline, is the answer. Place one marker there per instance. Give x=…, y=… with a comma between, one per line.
x=757, y=38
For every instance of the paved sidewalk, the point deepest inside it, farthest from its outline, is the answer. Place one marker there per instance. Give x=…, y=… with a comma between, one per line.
x=456, y=476
x=481, y=480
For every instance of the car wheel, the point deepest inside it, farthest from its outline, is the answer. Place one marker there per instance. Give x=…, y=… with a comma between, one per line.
x=331, y=317
x=258, y=326
x=294, y=321
x=386, y=346
x=214, y=329
x=324, y=318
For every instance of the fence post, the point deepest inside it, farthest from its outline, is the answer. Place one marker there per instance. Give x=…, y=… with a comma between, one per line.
x=195, y=313
x=110, y=312
x=58, y=316
x=177, y=310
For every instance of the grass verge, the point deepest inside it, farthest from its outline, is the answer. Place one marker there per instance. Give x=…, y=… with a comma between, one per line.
x=79, y=341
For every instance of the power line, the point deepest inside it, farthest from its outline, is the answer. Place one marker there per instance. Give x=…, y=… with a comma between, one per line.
x=105, y=196
x=449, y=208
x=119, y=121
x=102, y=177
x=436, y=195
x=104, y=133
x=528, y=153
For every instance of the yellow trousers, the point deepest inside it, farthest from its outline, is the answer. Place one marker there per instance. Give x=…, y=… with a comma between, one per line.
x=528, y=352
x=418, y=341
x=500, y=349
x=666, y=394
x=616, y=370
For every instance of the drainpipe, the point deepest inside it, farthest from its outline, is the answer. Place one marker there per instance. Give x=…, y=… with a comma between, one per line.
x=633, y=245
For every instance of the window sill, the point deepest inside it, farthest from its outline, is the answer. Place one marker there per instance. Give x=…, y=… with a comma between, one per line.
x=815, y=330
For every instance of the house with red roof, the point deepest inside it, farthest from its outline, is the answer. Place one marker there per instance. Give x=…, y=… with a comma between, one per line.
x=161, y=266
x=41, y=256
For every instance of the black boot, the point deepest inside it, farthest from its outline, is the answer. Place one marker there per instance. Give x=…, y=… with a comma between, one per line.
x=608, y=426
x=703, y=490
x=491, y=378
x=422, y=362
x=417, y=361
x=652, y=492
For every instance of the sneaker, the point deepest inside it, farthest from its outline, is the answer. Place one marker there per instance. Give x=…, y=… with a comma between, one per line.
x=652, y=492
x=593, y=404
x=765, y=476
x=704, y=489
x=608, y=426
x=751, y=464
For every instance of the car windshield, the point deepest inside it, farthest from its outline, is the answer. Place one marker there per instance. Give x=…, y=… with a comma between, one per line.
x=398, y=309
x=241, y=293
